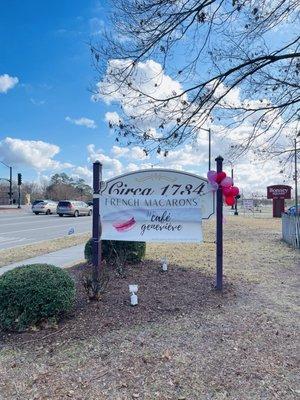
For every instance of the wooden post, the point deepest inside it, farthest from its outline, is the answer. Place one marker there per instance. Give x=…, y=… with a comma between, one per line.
x=219, y=228
x=97, y=178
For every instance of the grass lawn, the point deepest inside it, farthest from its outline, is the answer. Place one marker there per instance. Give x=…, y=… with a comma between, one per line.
x=184, y=340
x=20, y=253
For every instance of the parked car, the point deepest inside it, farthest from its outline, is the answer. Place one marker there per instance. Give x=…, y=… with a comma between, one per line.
x=44, y=207
x=36, y=201
x=292, y=210
x=74, y=208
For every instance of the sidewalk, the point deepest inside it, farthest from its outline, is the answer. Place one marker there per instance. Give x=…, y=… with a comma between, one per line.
x=14, y=209
x=62, y=258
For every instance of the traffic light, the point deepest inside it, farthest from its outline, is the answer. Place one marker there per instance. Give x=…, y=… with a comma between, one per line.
x=19, y=179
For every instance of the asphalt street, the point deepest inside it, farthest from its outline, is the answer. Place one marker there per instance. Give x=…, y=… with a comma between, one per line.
x=17, y=229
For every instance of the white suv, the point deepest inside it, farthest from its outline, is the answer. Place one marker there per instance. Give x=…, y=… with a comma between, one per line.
x=74, y=208
x=44, y=207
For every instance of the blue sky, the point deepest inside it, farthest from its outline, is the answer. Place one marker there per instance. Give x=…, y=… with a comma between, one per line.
x=44, y=45
x=48, y=122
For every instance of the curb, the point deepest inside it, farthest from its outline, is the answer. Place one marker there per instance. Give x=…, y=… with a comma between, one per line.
x=74, y=263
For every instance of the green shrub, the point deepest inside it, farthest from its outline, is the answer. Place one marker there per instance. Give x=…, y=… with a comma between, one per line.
x=112, y=249
x=34, y=293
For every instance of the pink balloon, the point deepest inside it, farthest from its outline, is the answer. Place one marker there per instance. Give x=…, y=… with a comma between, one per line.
x=211, y=176
x=234, y=191
x=226, y=182
x=229, y=200
x=227, y=190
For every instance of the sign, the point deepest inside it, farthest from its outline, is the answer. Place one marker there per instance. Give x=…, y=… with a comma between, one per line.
x=248, y=205
x=279, y=192
x=155, y=205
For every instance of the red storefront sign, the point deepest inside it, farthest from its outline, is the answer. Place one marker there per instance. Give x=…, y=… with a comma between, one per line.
x=279, y=192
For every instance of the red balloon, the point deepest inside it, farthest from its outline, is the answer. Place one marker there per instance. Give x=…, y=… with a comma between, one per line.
x=234, y=191
x=229, y=200
x=227, y=191
x=220, y=176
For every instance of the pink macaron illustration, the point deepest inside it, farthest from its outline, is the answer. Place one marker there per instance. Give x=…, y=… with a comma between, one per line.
x=123, y=226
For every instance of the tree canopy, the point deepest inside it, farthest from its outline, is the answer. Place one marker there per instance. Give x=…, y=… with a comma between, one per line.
x=220, y=63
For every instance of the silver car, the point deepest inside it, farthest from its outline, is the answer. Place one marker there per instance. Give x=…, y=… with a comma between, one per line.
x=44, y=207
x=74, y=208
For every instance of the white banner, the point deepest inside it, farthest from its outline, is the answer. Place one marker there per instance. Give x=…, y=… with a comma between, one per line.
x=155, y=206
x=176, y=220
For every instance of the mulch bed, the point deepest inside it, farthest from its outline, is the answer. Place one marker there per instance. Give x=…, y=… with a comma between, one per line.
x=162, y=295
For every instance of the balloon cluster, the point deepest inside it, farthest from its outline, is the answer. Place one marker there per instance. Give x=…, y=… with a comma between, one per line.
x=219, y=179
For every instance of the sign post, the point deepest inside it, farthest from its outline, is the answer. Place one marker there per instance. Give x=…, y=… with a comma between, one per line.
x=97, y=178
x=219, y=234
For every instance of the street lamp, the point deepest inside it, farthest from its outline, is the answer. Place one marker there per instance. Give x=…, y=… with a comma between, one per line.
x=10, y=181
x=231, y=165
x=209, y=146
x=296, y=174
x=233, y=207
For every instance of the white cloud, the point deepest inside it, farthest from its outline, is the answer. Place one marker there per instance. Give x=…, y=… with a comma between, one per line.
x=150, y=79
x=31, y=153
x=251, y=177
x=111, y=166
x=118, y=151
x=83, y=121
x=7, y=82
x=113, y=118
x=83, y=172
x=43, y=180
x=135, y=153
x=255, y=177
x=132, y=167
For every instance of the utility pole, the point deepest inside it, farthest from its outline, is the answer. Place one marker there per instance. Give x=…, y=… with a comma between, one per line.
x=231, y=166
x=10, y=193
x=209, y=146
x=209, y=149
x=296, y=176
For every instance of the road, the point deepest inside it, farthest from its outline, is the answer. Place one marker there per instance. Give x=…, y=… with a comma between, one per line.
x=17, y=229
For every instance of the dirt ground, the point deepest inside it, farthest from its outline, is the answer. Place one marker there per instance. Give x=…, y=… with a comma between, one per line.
x=184, y=340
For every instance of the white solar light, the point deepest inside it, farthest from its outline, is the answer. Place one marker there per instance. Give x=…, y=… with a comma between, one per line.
x=164, y=264
x=133, y=297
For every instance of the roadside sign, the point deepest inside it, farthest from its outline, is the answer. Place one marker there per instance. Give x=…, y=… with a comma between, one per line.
x=248, y=205
x=155, y=205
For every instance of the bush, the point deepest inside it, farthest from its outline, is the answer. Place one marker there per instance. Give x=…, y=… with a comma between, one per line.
x=133, y=252
x=34, y=293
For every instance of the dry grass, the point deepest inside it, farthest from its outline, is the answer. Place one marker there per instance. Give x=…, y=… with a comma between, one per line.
x=21, y=253
x=186, y=341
